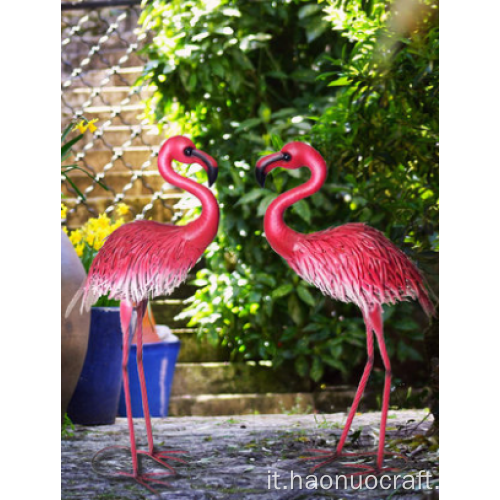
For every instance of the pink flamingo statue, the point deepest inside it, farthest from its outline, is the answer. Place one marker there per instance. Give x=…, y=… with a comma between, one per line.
x=144, y=259
x=352, y=263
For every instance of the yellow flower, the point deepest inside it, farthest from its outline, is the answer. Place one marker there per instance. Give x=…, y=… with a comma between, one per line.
x=83, y=125
x=95, y=225
x=91, y=125
x=79, y=249
x=76, y=237
x=90, y=239
x=121, y=209
x=64, y=211
x=117, y=224
x=100, y=235
x=65, y=229
x=103, y=220
x=94, y=232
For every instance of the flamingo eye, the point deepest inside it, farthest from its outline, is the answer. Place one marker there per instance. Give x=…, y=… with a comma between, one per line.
x=188, y=151
x=287, y=156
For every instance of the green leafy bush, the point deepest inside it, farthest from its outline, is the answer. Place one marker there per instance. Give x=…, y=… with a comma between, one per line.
x=245, y=77
x=382, y=132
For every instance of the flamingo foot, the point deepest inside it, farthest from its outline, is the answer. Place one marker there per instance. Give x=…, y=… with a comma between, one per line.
x=161, y=457
x=146, y=479
x=328, y=457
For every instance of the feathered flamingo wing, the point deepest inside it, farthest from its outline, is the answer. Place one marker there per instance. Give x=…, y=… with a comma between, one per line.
x=357, y=263
x=140, y=260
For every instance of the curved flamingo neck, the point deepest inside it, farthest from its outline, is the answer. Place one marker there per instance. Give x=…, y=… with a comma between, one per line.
x=204, y=228
x=280, y=236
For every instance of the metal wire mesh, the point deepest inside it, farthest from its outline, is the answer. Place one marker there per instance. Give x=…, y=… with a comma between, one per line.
x=100, y=63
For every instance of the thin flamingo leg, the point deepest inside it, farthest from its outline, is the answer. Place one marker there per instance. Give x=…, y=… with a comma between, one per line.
x=125, y=319
x=145, y=479
x=330, y=457
x=158, y=456
x=141, y=311
x=374, y=323
x=375, y=319
x=379, y=332
x=361, y=386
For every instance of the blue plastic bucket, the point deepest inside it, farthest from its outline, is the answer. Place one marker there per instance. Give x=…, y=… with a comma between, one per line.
x=95, y=400
x=159, y=360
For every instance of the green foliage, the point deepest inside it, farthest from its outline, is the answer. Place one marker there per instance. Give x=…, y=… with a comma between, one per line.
x=246, y=77
x=66, y=151
x=382, y=132
x=67, y=428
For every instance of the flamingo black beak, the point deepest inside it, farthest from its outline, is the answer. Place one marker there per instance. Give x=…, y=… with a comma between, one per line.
x=211, y=167
x=260, y=169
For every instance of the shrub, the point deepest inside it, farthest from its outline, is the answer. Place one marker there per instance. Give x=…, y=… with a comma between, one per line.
x=245, y=77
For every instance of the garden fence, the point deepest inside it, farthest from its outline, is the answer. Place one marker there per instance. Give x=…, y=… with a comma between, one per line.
x=100, y=63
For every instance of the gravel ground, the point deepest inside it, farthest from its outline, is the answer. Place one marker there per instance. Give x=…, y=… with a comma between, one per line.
x=251, y=456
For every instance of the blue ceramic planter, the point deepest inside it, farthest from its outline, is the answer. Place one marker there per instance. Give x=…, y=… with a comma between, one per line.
x=95, y=400
x=159, y=365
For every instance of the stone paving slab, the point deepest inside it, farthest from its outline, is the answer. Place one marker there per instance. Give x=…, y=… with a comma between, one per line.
x=245, y=457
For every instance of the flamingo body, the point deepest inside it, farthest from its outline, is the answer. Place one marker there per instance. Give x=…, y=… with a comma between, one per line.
x=357, y=263
x=144, y=259
x=141, y=260
x=351, y=263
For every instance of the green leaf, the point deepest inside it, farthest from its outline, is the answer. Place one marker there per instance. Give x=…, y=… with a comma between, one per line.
x=406, y=351
x=302, y=209
x=302, y=366
x=309, y=10
x=312, y=327
x=252, y=195
x=73, y=185
x=218, y=69
x=282, y=291
x=248, y=124
x=192, y=81
x=335, y=363
x=276, y=141
x=317, y=369
x=406, y=325
x=66, y=147
x=68, y=168
x=266, y=279
x=340, y=82
x=285, y=112
x=199, y=282
x=264, y=204
x=295, y=310
x=304, y=75
x=277, y=74
x=305, y=295
x=315, y=29
x=66, y=131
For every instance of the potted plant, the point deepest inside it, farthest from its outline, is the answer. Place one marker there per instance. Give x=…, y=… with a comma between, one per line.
x=96, y=398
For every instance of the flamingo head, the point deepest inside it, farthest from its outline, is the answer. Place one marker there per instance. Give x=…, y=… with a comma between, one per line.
x=292, y=156
x=183, y=150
